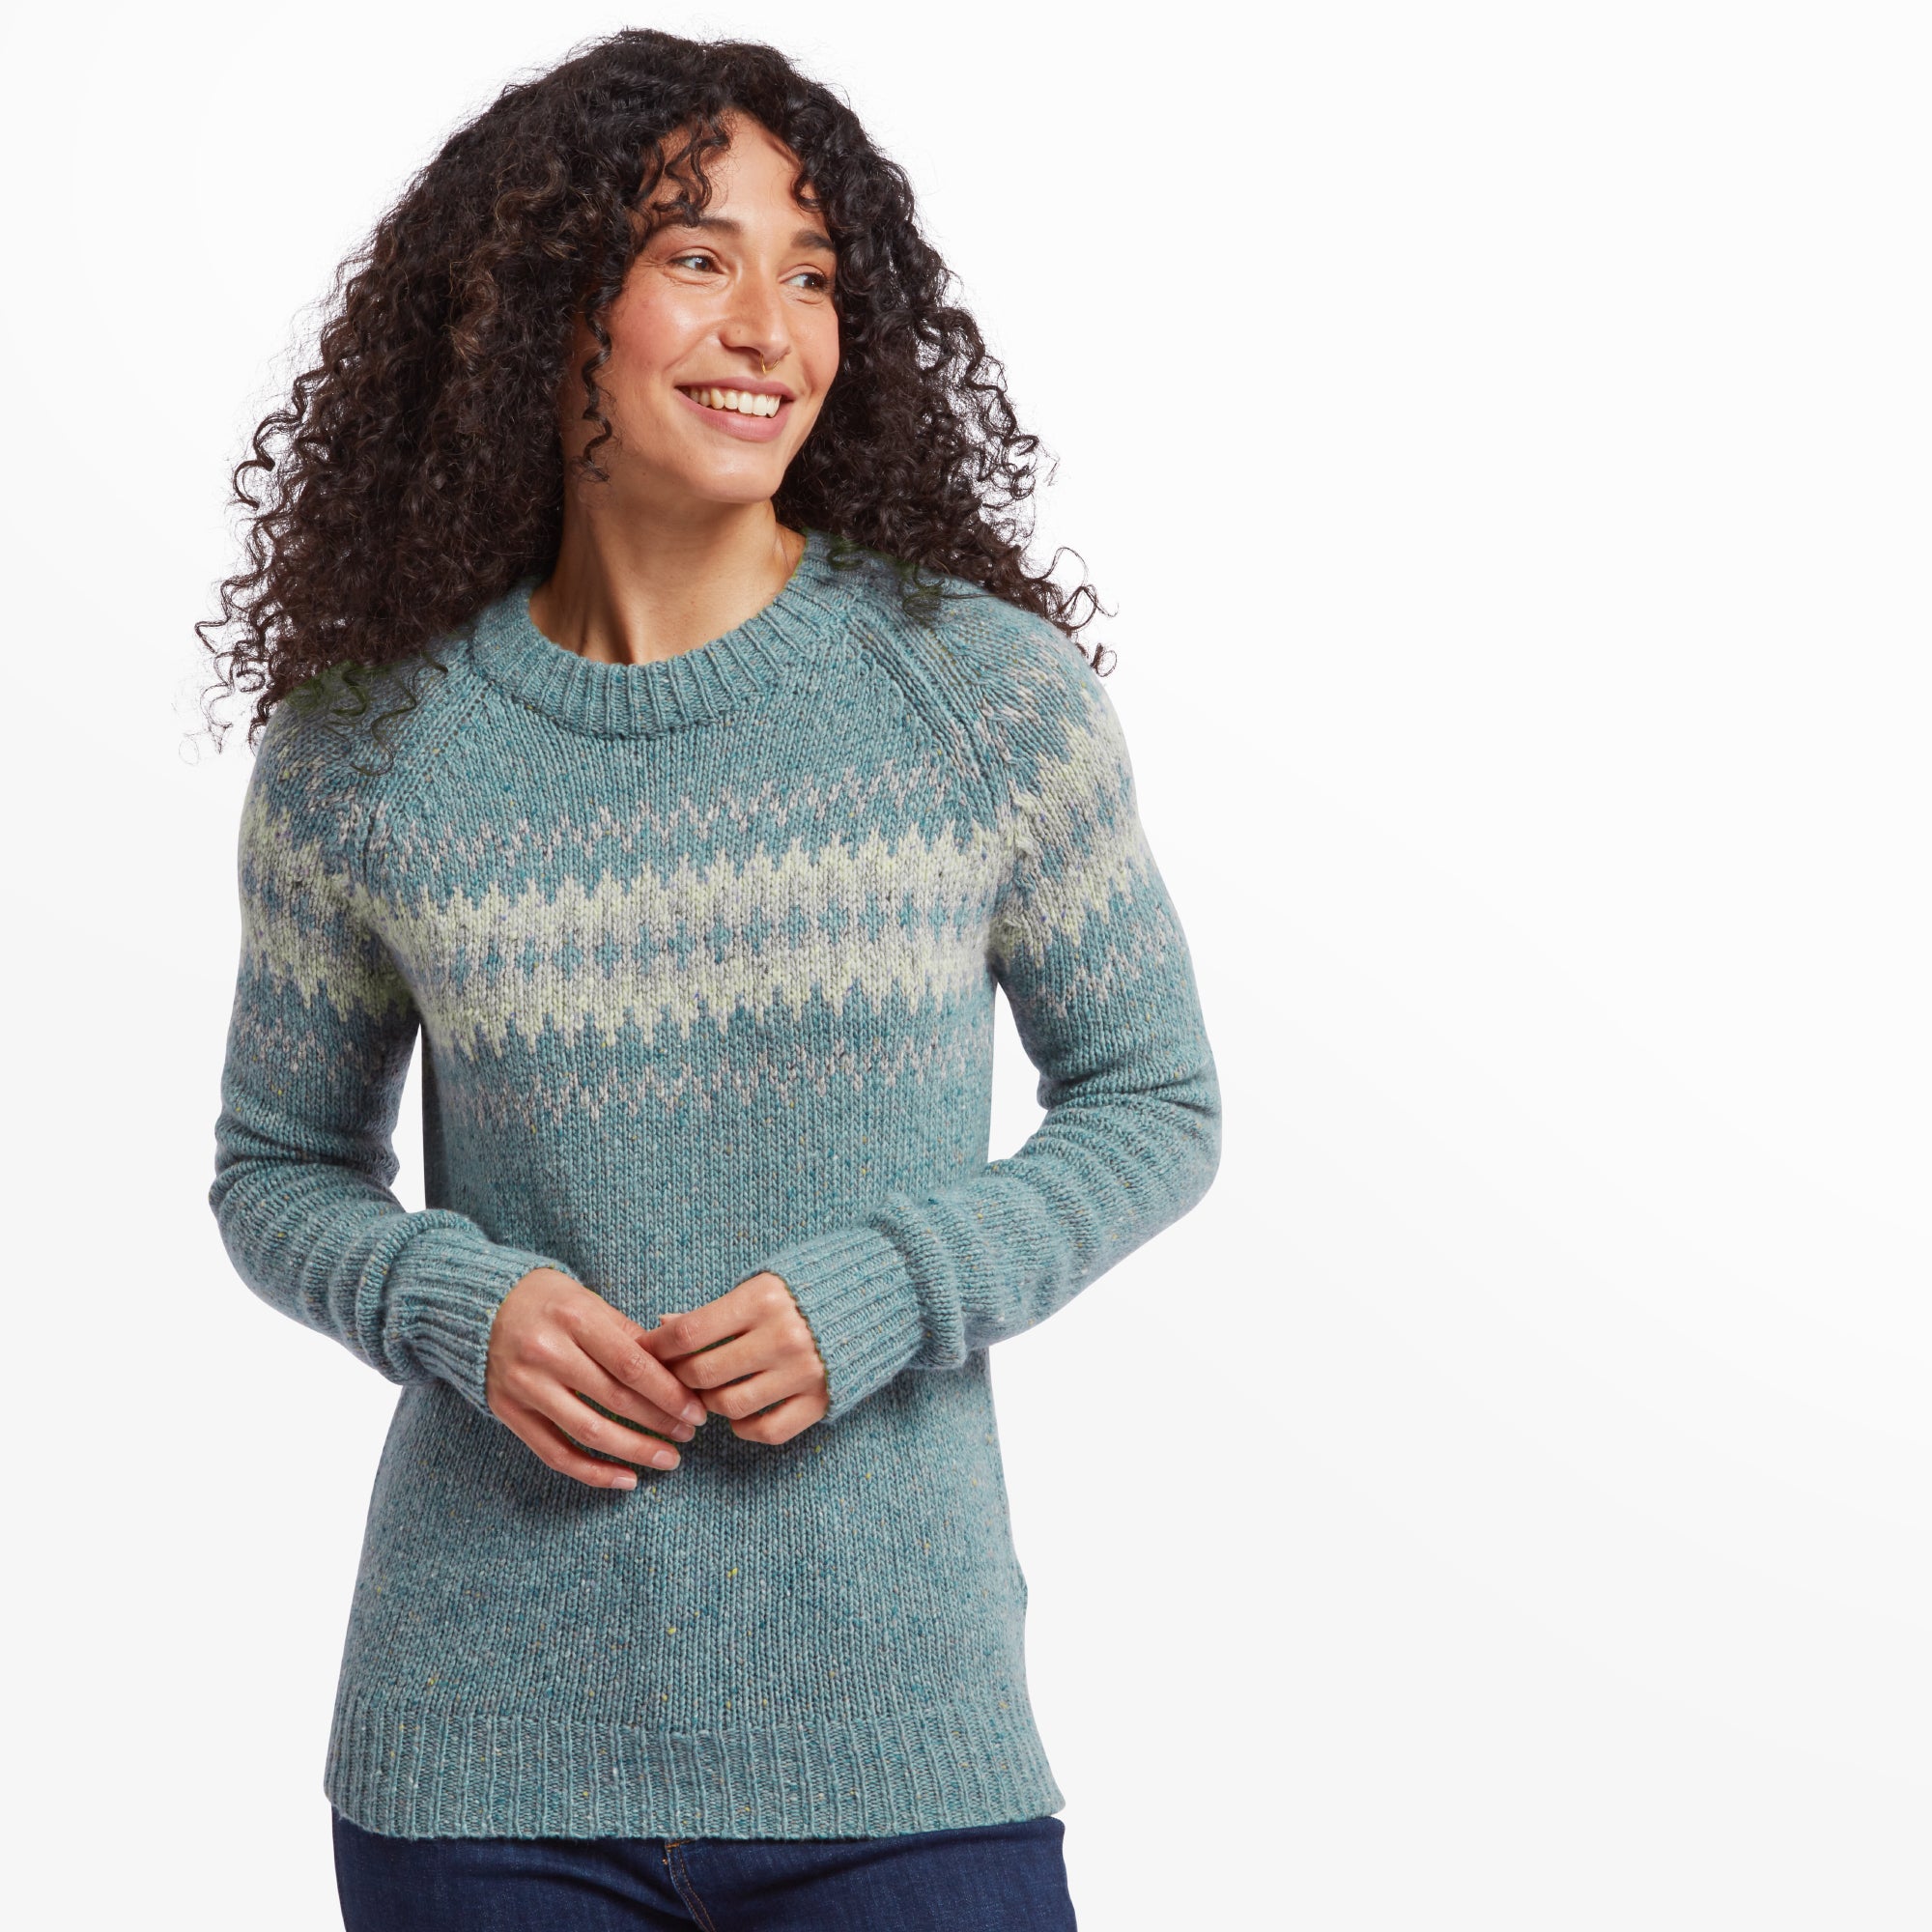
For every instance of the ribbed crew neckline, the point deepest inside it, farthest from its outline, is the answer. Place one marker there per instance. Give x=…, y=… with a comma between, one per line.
x=695, y=687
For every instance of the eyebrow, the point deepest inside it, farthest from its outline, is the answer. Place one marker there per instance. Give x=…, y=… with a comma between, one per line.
x=806, y=237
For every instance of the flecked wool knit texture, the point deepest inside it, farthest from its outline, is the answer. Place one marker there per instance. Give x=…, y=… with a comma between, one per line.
x=703, y=956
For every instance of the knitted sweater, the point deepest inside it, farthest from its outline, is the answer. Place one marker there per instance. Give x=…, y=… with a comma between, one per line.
x=702, y=955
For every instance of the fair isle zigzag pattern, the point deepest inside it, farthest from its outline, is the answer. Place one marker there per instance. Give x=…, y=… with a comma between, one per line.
x=647, y=834
x=573, y=1090
x=734, y=935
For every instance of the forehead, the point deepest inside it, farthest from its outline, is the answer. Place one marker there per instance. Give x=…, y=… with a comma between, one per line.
x=756, y=166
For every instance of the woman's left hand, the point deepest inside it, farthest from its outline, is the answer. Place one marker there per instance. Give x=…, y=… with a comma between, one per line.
x=751, y=1357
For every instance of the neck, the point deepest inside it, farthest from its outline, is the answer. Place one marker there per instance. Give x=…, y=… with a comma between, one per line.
x=635, y=590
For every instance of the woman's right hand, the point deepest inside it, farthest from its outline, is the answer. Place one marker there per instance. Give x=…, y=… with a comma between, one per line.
x=554, y=1342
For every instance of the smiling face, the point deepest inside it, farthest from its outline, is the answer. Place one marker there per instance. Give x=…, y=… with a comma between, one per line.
x=724, y=340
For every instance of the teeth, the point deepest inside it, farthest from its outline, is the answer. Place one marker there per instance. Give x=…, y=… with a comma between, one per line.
x=741, y=400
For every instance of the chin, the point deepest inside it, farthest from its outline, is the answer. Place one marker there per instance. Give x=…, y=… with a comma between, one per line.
x=738, y=491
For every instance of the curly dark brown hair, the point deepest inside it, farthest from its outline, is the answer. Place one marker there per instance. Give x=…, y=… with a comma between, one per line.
x=416, y=471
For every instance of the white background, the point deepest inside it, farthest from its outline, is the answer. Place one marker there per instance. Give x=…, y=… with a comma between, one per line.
x=1503, y=434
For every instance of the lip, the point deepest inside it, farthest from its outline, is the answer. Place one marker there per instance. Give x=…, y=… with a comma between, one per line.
x=747, y=429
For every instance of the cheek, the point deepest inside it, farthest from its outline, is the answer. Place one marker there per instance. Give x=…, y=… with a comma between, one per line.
x=819, y=345
x=647, y=337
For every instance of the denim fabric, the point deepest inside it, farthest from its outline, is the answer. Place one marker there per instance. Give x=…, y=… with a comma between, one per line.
x=982, y=1878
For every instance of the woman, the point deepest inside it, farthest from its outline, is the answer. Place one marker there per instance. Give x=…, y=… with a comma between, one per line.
x=657, y=713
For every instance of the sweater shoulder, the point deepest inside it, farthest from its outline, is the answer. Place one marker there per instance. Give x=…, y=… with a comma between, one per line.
x=343, y=741
x=1017, y=695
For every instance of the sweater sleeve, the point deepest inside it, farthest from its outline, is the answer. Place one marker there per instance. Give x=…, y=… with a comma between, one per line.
x=318, y=1044
x=1085, y=941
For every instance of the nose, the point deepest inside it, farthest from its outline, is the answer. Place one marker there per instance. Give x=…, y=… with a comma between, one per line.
x=756, y=323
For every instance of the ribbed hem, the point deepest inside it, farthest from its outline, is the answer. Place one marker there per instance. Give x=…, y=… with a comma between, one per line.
x=427, y=1770
x=694, y=686
x=856, y=1298
x=456, y=1281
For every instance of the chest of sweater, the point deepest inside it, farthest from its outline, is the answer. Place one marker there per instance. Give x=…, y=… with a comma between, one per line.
x=683, y=994
x=533, y=883
x=810, y=857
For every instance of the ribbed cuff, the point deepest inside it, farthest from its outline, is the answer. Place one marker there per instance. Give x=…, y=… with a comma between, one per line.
x=454, y=1279
x=856, y=1298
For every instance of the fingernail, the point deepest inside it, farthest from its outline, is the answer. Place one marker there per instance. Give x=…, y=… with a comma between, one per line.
x=664, y=1457
x=624, y=1483
x=695, y=1411
x=683, y=1432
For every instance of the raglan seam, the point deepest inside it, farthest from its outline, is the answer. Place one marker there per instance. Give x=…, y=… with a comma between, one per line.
x=412, y=779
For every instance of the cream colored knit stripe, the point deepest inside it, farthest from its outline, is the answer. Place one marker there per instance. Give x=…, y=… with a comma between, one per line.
x=528, y=931
x=834, y=888
x=297, y=923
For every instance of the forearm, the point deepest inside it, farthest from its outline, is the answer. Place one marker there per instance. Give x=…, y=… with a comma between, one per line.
x=1130, y=1141
x=925, y=1280
x=410, y=1295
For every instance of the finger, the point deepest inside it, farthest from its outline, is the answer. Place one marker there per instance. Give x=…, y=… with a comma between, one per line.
x=620, y=1347
x=569, y=1412
x=666, y=1345
x=730, y=1314
x=782, y=1421
x=752, y=1393
x=551, y=1371
x=595, y=1384
x=725, y=1361
x=552, y=1447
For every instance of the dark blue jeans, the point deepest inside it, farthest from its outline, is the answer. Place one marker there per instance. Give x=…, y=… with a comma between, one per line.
x=986, y=1878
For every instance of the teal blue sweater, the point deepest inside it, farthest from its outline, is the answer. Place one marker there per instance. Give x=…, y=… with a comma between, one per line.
x=702, y=956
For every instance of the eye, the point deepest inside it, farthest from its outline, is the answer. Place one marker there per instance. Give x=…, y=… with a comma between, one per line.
x=819, y=280
x=702, y=261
